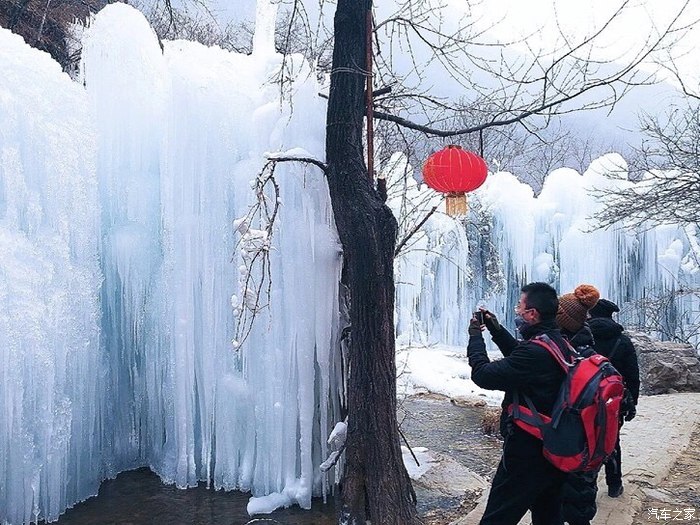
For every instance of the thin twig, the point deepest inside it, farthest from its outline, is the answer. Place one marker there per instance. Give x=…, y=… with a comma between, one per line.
x=409, y=448
x=305, y=160
x=414, y=230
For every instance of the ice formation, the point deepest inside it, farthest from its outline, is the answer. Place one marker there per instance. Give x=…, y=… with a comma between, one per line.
x=51, y=371
x=131, y=253
x=119, y=266
x=513, y=237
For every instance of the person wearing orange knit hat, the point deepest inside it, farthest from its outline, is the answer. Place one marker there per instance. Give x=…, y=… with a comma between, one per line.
x=574, y=307
x=579, y=492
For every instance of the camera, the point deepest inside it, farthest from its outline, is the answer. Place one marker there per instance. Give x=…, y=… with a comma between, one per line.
x=479, y=316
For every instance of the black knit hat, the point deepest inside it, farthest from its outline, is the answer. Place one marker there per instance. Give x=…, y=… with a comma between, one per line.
x=604, y=308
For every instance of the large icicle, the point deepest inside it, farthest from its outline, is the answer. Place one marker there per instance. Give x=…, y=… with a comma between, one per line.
x=124, y=73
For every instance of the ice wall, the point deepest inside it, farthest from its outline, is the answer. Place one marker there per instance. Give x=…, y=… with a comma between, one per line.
x=515, y=237
x=121, y=270
x=182, y=136
x=51, y=374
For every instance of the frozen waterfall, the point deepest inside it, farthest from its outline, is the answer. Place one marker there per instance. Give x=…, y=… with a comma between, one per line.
x=512, y=237
x=119, y=265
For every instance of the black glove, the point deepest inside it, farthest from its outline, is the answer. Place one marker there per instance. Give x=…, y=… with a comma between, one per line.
x=630, y=414
x=474, y=328
x=491, y=322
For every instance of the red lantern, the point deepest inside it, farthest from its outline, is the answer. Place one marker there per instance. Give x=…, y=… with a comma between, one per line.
x=455, y=172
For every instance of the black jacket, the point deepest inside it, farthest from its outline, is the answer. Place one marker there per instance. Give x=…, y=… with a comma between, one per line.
x=582, y=340
x=606, y=333
x=526, y=366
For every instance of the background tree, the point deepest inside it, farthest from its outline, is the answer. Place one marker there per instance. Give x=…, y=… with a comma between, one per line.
x=668, y=314
x=196, y=24
x=669, y=162
x=48, y=24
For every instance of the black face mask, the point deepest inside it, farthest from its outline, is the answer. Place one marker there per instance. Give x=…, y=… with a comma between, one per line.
x=521, y=324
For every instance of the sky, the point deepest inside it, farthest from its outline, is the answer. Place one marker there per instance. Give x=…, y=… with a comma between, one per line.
x=542, y=21
x=542, y=25
x=640, y=19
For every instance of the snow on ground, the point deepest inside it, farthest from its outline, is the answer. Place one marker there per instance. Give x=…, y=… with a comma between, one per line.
x=439, y=369
x=426, y=461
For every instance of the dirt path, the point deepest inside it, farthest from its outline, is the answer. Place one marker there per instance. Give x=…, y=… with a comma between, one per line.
x=652, y=444
x=678, y=495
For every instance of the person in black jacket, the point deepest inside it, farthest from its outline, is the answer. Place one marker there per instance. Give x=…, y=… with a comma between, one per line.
x=580, y=489
x=524, y=480
x=617, y=347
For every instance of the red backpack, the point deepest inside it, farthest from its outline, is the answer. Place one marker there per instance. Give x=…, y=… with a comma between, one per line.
x=584, y=426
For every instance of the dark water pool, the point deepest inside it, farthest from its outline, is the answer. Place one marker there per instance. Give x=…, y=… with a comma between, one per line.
x=455, y=431
x=139, y=497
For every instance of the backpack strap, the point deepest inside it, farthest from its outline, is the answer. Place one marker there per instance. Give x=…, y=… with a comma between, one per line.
x=528, y=417
x=614, y=349
x=535, y=419
x=545, y=342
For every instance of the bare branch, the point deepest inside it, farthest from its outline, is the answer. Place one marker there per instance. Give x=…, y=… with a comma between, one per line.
x=670, y=161
x=303, y=160
x=410, y=234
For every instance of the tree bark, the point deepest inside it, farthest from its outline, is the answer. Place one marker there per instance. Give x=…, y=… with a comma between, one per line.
x=375, y=484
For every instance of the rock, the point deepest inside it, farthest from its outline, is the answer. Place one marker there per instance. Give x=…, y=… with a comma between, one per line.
x=447, y=490
x=666, y=367
x=451, y=477
x=462, y=401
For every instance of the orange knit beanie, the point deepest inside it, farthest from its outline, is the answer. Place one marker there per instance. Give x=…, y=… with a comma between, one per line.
x=573, y=307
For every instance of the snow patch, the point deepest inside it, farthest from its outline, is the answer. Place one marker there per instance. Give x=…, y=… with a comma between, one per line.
x=439, y=369
x=424, y=464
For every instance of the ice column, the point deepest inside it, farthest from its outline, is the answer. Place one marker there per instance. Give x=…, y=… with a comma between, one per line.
x=124, y=74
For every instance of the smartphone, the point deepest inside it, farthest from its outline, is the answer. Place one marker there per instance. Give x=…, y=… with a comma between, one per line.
x=479, y=316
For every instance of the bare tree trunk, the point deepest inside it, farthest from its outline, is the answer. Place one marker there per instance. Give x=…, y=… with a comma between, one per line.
x=375, y=483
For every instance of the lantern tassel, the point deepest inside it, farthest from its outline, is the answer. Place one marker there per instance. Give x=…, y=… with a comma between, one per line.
x=456, y=204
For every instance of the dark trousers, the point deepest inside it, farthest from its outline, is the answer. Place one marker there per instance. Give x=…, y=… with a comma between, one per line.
x=579, y=497
x=613, y=467
x=524, y=481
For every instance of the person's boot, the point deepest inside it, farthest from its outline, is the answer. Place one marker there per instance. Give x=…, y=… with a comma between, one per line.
x=615, y=491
